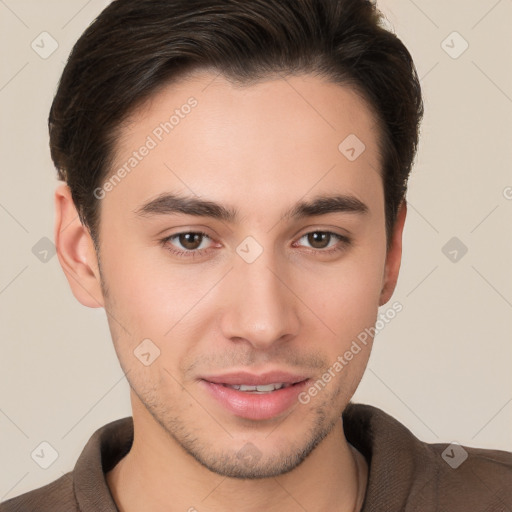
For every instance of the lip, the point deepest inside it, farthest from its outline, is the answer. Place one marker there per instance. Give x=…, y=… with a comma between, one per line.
x=252, y=379
x=255, y=406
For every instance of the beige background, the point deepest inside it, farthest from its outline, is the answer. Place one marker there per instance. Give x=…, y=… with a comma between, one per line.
x=442, y=367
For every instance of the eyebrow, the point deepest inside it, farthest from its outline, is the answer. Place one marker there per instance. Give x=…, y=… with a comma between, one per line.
x=169, y=204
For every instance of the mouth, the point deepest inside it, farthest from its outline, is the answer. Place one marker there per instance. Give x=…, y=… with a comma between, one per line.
x=264, y=388
x=255, y=397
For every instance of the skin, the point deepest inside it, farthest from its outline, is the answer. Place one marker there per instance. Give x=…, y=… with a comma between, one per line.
x=258, y=149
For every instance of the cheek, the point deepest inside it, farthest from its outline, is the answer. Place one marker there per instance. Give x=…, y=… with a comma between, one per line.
x=349, y=308
x=149, y=293
x=348, y=294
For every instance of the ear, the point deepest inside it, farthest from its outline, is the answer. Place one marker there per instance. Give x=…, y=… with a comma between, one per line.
x=394, y=256
x=75, y=250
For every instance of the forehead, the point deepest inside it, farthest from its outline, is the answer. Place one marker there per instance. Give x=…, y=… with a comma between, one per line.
x=277, y=137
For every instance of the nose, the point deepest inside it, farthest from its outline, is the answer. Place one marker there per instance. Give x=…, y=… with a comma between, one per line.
x=262, y=308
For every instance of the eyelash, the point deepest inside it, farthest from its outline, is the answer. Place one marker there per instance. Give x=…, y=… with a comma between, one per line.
x=344, y=242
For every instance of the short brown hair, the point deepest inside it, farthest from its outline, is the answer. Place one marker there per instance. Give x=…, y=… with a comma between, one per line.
x=136, y=46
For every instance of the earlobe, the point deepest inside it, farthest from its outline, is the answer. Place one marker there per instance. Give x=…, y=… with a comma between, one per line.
x=394, y=256
x=75, y=250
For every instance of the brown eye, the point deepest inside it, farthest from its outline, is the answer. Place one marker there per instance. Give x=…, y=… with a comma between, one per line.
x=187, y=243
x=190, y=240
x=319, y=239
x=322, y=243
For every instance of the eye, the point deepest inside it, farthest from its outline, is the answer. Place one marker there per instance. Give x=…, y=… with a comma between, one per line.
x=190, y=241
x=320, y=241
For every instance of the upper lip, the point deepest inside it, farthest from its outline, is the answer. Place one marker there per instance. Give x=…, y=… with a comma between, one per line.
x=252, y=379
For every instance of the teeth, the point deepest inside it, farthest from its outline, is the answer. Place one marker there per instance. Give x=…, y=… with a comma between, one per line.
x=266, y=388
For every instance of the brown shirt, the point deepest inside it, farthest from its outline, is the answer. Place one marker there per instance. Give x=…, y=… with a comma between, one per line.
x=405, y=474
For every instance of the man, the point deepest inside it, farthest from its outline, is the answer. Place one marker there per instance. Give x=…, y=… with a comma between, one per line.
x=234, y=197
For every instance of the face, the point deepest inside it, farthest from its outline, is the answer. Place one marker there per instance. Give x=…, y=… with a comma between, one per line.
x=247, y=249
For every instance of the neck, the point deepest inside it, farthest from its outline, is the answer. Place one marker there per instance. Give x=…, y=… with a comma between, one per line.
x=157, y=475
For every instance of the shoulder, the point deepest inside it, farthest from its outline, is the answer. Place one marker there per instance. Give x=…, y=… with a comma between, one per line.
x=57, y=496
x=467, y=475
x=406, y=473
x=84, y=488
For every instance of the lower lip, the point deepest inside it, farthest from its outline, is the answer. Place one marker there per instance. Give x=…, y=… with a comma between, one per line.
x=255, y=406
